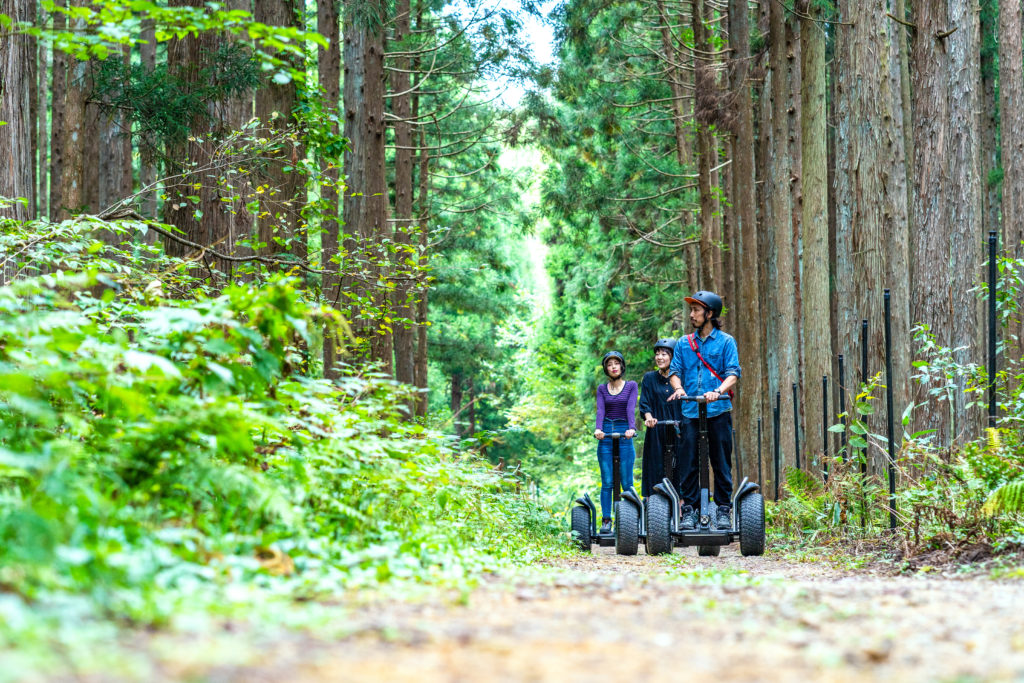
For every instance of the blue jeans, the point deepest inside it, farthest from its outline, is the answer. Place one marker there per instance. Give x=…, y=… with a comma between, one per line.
x=627, y=456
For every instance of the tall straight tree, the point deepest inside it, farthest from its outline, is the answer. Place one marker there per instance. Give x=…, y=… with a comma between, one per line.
x=328, y=21
x=947, y=206
x=815, y=307
x=16, y=55
x=1011, y=113
x=365, y=201
x=401, y=107
x=275, y=107
x=219, y=217
x=782, y=273
x=744, y=200
x=704, y=114
x=58, y=100
x=73, y=139
x=871, y=200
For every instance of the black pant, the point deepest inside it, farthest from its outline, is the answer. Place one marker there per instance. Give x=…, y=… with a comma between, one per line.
x=720, y=457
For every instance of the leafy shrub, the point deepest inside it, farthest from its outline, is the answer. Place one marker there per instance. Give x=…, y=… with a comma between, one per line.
x=154, y=447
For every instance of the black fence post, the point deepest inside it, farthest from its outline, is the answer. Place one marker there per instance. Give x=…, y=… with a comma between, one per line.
x=824, y=427
x=864, y=381
x=760, y=476
x=739, y=458
x=843, y=439
x=889, y=409
x=992, y=328
x=796, y=426
x=778, y=404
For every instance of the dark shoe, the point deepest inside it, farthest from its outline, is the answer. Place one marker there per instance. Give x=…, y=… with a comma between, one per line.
x=687, y=518
x=723, y=519
x=606, y=526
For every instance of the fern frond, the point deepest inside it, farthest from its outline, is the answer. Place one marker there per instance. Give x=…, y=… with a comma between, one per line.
x=1007, y=498
x=802, y=485
x=995, y=442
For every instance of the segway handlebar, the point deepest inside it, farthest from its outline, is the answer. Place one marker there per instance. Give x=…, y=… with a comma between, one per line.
x=695, y=399
x=614, y=435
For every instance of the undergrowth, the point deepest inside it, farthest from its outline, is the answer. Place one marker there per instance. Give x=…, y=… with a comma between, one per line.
x=163, y=454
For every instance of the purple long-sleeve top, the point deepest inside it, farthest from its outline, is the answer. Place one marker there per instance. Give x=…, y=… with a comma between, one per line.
x=620, y=406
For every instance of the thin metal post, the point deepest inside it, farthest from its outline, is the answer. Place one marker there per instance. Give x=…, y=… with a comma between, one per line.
x=796, y=426
x=778, y=404
x=992, y=328
x=843, y=438
x=739, y=458
x=760, y=476
x=824, y=427
x=890, y=426
x=864, y=381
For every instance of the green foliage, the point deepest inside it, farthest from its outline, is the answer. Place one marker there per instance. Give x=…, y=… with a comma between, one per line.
x=1007, y=498
x=163, y=106
x=155, y=448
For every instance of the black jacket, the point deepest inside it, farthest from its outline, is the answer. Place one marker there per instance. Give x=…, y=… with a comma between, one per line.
x=654, y=389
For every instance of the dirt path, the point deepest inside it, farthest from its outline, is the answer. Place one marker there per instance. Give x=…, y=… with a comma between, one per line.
x=724, y=619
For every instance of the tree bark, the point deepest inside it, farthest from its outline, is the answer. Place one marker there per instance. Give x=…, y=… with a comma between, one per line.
x=365, y=202
x=210, y=221
x=871, y=214
x=456, y=403
x=16, y=58
x=781, y=267
x=147, y=158
x=748, y=317
x=115, y=155
x=329, y=72
x=280, y=224
x=58, y=102
x=73, y=142
x=815, y=307
x=947, y=205
x=401, y=102
x=1011, y=113
x=703, y=116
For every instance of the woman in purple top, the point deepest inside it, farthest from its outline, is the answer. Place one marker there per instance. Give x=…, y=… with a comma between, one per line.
x=616, y=412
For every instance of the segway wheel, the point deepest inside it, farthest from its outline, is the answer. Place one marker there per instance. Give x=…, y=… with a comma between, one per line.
x=627, y=529
x=752, y=524
x=581, y=528
x=659, y=536
x=709, y=550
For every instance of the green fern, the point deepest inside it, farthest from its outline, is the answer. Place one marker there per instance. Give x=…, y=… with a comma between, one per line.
x=803, y=486
x=1007, y=498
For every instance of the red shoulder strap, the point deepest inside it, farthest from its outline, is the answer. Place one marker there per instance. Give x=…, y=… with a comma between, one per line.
x=693, y=345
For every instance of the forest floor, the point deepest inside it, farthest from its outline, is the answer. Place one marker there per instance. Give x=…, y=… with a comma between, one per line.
x=604, y=617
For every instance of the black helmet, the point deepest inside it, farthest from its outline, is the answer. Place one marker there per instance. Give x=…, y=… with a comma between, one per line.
x=608, y=356
x=667, y=344
x=708, y=300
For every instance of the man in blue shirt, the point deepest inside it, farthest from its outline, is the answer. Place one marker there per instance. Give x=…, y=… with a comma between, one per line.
x=706, y=363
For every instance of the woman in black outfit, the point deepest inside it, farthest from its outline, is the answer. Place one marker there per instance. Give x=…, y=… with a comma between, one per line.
x=654, y=389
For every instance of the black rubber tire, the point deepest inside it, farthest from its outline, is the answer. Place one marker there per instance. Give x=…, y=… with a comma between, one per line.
x=709, y=550
x=581, y=527
x=751, y=524
x=627, y=529
x=659, y=525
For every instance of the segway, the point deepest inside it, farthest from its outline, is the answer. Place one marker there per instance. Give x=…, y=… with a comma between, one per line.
x=627, y=509
x=663, y=528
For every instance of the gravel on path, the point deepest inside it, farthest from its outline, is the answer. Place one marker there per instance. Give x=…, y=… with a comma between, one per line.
x=726, y=618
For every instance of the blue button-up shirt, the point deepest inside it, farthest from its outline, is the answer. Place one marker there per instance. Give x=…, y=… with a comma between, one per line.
x=719, y=350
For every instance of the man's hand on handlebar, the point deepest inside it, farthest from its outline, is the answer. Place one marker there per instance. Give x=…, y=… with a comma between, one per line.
x=598, y=434
x=677, y=394
x=712, y=396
